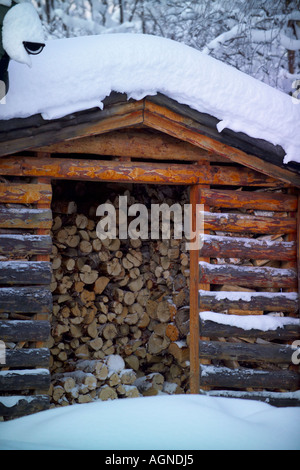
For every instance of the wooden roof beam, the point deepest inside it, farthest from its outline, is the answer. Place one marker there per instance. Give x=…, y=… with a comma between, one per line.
x=184, y=128
x=117, y=116
x=132, y=172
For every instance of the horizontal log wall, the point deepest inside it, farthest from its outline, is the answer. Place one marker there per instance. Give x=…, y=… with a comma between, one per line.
x=245, y=378
x=252, y=250
x=24, y=330
x=25, y=300
x=25, y=296
x=18, y=380
x=28, y=357
x=245, y=352
x=25, y=218
x=270, y=302
x=215, y=246
x=25, y=245
x=237, y=327
x=25, y=273
x=246, y=275
x=18, y=406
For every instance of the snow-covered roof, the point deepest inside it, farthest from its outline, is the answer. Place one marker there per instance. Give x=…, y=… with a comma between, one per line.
x=77, y=74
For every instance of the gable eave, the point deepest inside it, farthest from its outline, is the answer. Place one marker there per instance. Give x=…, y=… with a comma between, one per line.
x=156, y=112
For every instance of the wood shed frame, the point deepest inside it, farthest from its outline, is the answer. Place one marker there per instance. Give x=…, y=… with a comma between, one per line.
x=151, y=141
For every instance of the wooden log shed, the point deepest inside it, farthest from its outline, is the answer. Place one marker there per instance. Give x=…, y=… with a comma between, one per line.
x=154, y=141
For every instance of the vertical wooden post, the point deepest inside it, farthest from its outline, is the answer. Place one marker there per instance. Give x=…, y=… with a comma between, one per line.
x=294, y=237
x=195, y=286
x=42, y=257
x=194, y=302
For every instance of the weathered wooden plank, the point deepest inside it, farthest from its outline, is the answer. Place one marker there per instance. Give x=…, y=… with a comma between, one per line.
x=247, y=248
x=25, y=218
x=250, y=224
x=244, y=378
x=133, y=143
x=231, y=274
x=117, y=116
x=25, y=273
x=25, y=193
x=96, y=170
x=17, y=406
x=265, y=327
x=25, y=245
x=38, y=357
x=262, y=301
x=24, y=330
x=272, y=353
x=248, y=200
x=24, y=379
x=137, y=172
x=25, y=300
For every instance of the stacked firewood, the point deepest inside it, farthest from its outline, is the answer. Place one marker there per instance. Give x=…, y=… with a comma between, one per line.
x=104, y=380
x=115, y=297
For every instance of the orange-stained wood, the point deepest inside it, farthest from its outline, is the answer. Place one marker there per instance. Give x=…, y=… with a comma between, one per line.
x=25, y=193
x=25, y=218
x=134, y=172
x=185, y=128
x=194, y=301
x=248, y=248
x=44, y=205
x=204, y=285
x=134, y=143
x=248, y=200
x=247, y=223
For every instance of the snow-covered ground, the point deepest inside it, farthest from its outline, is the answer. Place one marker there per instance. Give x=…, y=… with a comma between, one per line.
x=78, y=73
x=177, y=422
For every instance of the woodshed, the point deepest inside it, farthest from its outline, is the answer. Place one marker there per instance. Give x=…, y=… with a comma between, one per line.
x=235, y=336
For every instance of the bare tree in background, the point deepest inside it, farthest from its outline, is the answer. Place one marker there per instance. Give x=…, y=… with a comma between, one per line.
x=253, y=36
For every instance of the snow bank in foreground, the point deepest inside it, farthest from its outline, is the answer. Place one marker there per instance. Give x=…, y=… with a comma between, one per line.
x=185, y=422
x=78, y=73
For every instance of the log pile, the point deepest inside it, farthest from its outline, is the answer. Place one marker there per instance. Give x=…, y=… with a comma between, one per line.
x=115, y=297
x=105, y=380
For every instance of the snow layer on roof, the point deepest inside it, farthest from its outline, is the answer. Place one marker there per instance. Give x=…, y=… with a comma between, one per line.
x=78, y=73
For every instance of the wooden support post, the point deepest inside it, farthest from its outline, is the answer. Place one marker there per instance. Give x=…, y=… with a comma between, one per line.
x=294, y=237
x=42, y=205
x=195, y=286
x=204, y=284
x=194, y=303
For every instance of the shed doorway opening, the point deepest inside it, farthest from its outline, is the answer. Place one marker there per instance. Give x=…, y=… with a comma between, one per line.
x=116, y=302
